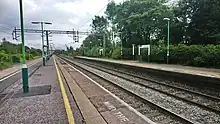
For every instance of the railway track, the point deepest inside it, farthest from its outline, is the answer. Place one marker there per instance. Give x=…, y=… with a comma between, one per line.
x=194, y=86
x=147, y=107
x=202, y=100
x=203, y=114
x=8, y=94
x=12, y=79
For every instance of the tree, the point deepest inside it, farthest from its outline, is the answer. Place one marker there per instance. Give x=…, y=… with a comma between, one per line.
x=138, y=20
x=4, y=39
x=11, y=53
x=99, y=24
x=201, y=19
x=99, y=31
x=71, y=49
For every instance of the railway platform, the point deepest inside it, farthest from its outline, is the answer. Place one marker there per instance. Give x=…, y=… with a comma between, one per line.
x=93, y=98
x=60, y=94
x=44, y=104
x=205, y=72
x=175, y=101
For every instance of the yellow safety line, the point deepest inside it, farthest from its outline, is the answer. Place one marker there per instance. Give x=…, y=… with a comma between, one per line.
x=69, y=113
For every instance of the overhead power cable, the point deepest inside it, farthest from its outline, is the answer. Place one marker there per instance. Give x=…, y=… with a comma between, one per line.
x=1, y=31
x=94, y=15
x=4, y=26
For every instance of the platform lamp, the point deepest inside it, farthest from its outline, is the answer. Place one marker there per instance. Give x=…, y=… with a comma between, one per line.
x=90, y=44
x=42, y=29
x=24, y=66
x=168, y=38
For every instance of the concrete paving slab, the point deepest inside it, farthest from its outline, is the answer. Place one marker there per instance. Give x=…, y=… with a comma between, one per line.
x=46, y=108
x=113, y=111
x=100, y=100
x=34, y=91
x=89, y=112
x=2, y=96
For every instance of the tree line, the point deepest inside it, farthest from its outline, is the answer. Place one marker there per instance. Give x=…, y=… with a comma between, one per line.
x=12, y=53
x=192, y=23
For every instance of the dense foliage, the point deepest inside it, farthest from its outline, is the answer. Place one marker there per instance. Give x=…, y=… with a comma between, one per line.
x=194, y=26
x=193, y=55
x=11, y=53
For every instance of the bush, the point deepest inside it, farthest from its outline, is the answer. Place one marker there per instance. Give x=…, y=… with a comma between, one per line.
x=178, y=54
x=5, y=65
x=116, y=53
x=4, y=57
x=198, y=61
x=27, y=56
x=193, y=55
x=5, y=60
x=127, y=53
x=15, y=58
x=31, y=56
x=33, y=52
x=108, y=52
x=211, y=55
x=94, y=52
x=158, y=54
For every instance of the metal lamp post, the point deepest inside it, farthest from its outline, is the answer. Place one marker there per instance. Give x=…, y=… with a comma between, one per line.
x=24, y=66
x=104, y=43
x=121, y=46
x=149, y=56
x=42, y=28
x=90, y=44
x=168, y=38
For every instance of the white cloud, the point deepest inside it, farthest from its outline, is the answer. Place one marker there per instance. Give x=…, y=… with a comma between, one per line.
x=64, y=14
x=30, y=4
x=74, y=21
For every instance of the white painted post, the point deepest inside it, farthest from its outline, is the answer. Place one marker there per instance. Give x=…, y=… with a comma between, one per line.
x=133, y=45
x=149, y=53
x=139, y=50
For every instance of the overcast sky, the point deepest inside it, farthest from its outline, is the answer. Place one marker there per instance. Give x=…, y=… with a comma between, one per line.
x=64, y=14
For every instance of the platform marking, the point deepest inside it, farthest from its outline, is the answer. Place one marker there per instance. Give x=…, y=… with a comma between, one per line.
x=118, y=114
x=16, y=72
x=121, y=101
x=10, y=75
x=69, y=113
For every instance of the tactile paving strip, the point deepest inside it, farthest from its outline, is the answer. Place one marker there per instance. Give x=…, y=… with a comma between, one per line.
x=34, y=91
x=2, y=96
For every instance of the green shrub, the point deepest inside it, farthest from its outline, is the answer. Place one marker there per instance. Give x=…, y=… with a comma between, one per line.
x=127, y=53
x=5, y=65
x=15, y=58
x=31, y=56
x=21, y=58
x=4, y=57
x=211, y=55
x=178, y=54
x=27, y=56
x=193, y=55
x=108, y=52
x=198, y=61
x=94, y=52
x=158, y=54
x=116, y=53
